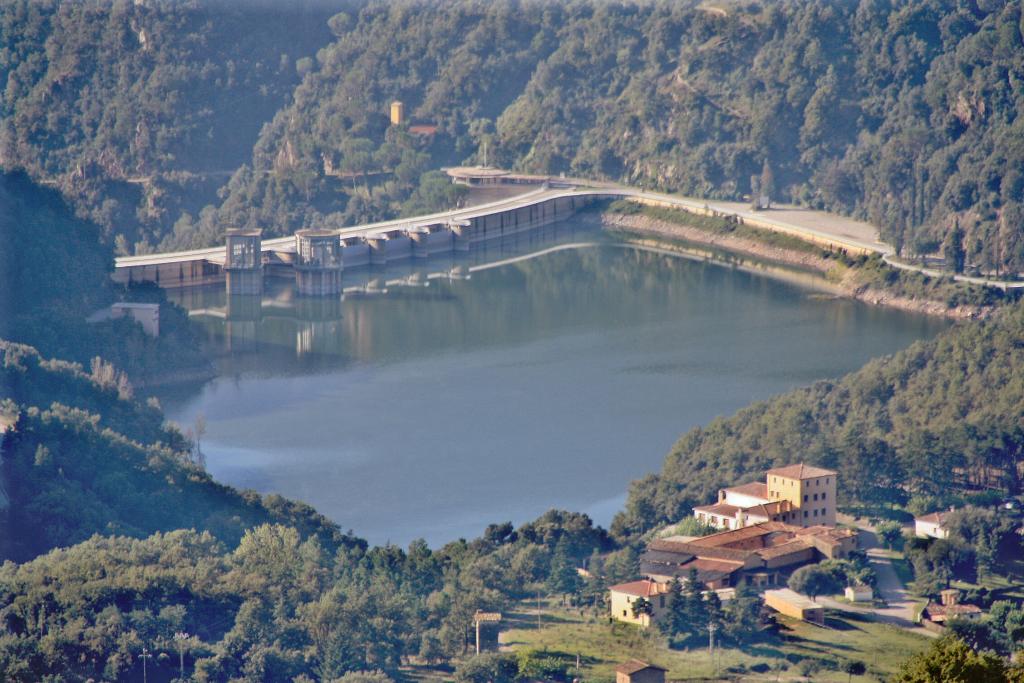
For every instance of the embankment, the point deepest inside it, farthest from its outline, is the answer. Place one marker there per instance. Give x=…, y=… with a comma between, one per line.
x=866, y=279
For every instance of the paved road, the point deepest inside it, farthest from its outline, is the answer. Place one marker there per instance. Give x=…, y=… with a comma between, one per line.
x=901, y=605
x=817, y=226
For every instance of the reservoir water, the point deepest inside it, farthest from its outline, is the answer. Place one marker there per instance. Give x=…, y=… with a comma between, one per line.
x=438, y=397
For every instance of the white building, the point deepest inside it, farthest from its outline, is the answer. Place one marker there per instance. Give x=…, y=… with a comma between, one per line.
x=931, y=525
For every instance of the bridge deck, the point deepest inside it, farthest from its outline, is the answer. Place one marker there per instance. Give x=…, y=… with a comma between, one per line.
x=816, y=226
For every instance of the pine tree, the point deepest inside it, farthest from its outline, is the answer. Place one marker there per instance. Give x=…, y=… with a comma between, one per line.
x=767, y=182
x=673, y=622
x=563, y=579
x=695, y=614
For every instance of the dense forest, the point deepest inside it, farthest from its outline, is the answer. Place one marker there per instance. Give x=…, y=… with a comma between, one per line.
x=55, y=272
x=926, y=427
x=138, y=111
x=124, y=541
x=129, y=126
x=267, y=589
x=901, y=113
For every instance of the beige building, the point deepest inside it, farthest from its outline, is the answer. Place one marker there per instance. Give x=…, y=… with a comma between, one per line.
x=792, y=604
x=636, y=671
x=799, y=495
x=397, y=113
x=624, y=595
x=859, y=593
x=810, y=490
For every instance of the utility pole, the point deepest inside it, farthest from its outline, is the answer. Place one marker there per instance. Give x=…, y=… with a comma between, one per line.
x=181, y=638
x=712, y=627
x=144, y=656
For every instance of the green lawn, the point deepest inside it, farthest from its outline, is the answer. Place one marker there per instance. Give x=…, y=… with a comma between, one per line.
x=848, y=636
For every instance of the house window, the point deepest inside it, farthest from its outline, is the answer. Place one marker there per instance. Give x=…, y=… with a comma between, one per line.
x=815, y=496
x=661, y=601
x=623, y=612
x=815, y=513
x=823, y=496
x=805, y=514
x=805, y=497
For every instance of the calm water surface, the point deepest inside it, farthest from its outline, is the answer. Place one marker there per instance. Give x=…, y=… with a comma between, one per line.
x=430, y=411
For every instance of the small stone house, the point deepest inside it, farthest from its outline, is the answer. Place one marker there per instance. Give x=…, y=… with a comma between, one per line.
x=936, y=615
x=636, y=671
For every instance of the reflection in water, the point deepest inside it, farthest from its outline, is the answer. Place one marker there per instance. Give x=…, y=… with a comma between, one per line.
x=425, y=403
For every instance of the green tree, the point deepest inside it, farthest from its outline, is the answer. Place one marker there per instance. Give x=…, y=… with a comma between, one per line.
x=563, y=579
x=953, y=251
x=854, y=668
x=673, y=619
x=813, y=580
x=694, y=618
x=767, y=182
x=741, y=621
x=641, y=606
x=890, y=533
x=950, y=660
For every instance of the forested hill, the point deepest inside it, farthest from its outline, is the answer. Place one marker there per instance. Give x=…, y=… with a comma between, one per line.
x=929, y=425
x=903, y=113
x=140, y=110
x=86, y=457
x=55, y=272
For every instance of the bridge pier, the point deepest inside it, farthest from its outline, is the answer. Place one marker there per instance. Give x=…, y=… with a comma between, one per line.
x=243, y=262
x=317, y=262
x=461, y=232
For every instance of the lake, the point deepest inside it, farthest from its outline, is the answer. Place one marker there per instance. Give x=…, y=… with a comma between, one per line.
x=438, y=397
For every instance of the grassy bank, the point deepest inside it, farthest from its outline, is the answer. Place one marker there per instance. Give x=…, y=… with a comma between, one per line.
x=864, y=277
x=800, y=650
x=714, y=225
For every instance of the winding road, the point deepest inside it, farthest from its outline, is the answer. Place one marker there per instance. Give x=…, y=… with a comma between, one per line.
x=901, y=607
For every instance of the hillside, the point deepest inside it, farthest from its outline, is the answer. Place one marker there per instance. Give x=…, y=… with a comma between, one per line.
x=139, y=111
x=928, y=425
x=55, y=272
x=902, y=114
x=124, y=540
x=86, y=457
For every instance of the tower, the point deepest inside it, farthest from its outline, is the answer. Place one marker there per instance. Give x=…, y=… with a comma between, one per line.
x=397, y=113
x=243, y=261
x=318, y=262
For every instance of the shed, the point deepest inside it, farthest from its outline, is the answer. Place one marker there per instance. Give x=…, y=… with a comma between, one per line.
x=792, y=604
x=636, y=671
x=859, y=593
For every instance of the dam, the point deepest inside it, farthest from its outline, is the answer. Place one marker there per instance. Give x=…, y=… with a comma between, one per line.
x=316, y=258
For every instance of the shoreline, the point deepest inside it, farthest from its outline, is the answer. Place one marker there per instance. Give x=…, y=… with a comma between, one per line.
x=836, y=278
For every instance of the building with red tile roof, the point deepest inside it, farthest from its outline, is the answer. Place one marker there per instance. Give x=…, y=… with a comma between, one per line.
x=761, y=554
x=801, y=495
